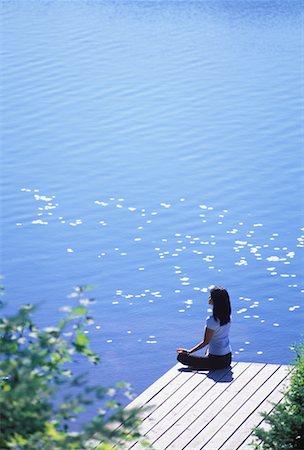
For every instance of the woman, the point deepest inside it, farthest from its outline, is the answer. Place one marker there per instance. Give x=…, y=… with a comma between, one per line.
x=216, y=336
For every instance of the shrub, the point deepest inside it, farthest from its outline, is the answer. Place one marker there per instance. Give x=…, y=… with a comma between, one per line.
x=41, y=398
x=286, y=421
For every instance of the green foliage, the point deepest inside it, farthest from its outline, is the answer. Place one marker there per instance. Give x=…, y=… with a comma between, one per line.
x=40, y=397
x=286, y=422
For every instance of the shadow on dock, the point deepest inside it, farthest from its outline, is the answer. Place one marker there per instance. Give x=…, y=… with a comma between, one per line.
x=219, y=375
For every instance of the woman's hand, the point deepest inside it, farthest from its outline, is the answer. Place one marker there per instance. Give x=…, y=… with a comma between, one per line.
x=182, y=350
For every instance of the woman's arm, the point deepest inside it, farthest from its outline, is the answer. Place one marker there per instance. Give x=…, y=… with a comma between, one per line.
x=207, y=338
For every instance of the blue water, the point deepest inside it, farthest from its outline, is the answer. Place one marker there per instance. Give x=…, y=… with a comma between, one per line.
x=153, y=149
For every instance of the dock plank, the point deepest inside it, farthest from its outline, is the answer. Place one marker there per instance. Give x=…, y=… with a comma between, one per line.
x=206, y=423
x=209, y=409
x=156, y=387
x=159, y=401
x=241, y=437
x=154, y=392
x=234, y=419
x=183, y=399
x=171, y=428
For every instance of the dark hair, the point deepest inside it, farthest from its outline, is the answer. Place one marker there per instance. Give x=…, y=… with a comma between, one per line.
x=221, y=304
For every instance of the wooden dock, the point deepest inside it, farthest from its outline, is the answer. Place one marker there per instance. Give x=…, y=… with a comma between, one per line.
x=209, y=410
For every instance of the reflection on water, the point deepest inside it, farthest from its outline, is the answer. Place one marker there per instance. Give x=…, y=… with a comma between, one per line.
x=152, y=149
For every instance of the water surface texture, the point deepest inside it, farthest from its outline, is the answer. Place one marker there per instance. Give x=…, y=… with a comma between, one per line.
x=153, y=149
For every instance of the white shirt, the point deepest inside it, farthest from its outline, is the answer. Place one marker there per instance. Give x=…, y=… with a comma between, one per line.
x=219, y=344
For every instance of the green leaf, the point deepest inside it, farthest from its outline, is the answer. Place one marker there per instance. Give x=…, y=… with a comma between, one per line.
x=111, y=404
x=105, y=446
x=20, y=439
x=88, y=287
x=79, y=311
x=36, y=375
x=53, y=433
x=6, y=387
x=81, y=339
x=121, y=384
x=78, y=409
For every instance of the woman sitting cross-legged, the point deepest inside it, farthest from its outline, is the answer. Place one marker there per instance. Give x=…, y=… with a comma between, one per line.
x=216, y=336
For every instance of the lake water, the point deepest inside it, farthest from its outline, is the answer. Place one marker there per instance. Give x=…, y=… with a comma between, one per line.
x=153, y=149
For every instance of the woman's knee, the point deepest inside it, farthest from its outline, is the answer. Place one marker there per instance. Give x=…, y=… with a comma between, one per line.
x=181, y=357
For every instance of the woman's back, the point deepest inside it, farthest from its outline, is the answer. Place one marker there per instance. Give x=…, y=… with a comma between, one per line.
x=219, y=343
